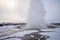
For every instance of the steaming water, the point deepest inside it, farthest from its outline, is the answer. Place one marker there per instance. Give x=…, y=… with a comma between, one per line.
x=17, y=11
x=36, y=14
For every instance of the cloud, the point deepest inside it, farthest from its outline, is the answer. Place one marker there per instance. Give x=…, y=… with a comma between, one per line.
x=13, y=10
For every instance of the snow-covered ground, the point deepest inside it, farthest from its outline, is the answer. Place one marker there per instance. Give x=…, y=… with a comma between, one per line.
x=54, y=35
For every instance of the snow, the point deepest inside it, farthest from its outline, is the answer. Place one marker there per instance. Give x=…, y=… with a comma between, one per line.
x=21, y=34
x=54, y=35
x=6, y=28
x=13, y=39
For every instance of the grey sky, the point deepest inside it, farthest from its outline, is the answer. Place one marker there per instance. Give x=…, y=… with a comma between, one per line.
x=13, y=10
x=52, y=8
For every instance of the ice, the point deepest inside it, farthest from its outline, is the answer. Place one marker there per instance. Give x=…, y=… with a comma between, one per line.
x=13, y=39
x=53, y=35
x=21, y=34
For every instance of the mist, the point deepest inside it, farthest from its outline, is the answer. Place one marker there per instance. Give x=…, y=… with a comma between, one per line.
x=30, y=11
x=36, y=14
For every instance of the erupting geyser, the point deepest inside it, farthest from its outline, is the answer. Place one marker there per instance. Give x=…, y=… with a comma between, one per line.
x=16, y=11
x=36, y=14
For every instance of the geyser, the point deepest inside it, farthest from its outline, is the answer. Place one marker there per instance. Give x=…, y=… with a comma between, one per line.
x=17, y=11
x=36, y=15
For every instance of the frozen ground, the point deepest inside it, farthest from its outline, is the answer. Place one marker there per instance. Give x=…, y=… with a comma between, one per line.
x=55, y=35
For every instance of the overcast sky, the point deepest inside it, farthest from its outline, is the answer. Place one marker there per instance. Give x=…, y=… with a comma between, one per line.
x=52, y=8
x=13, y=10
